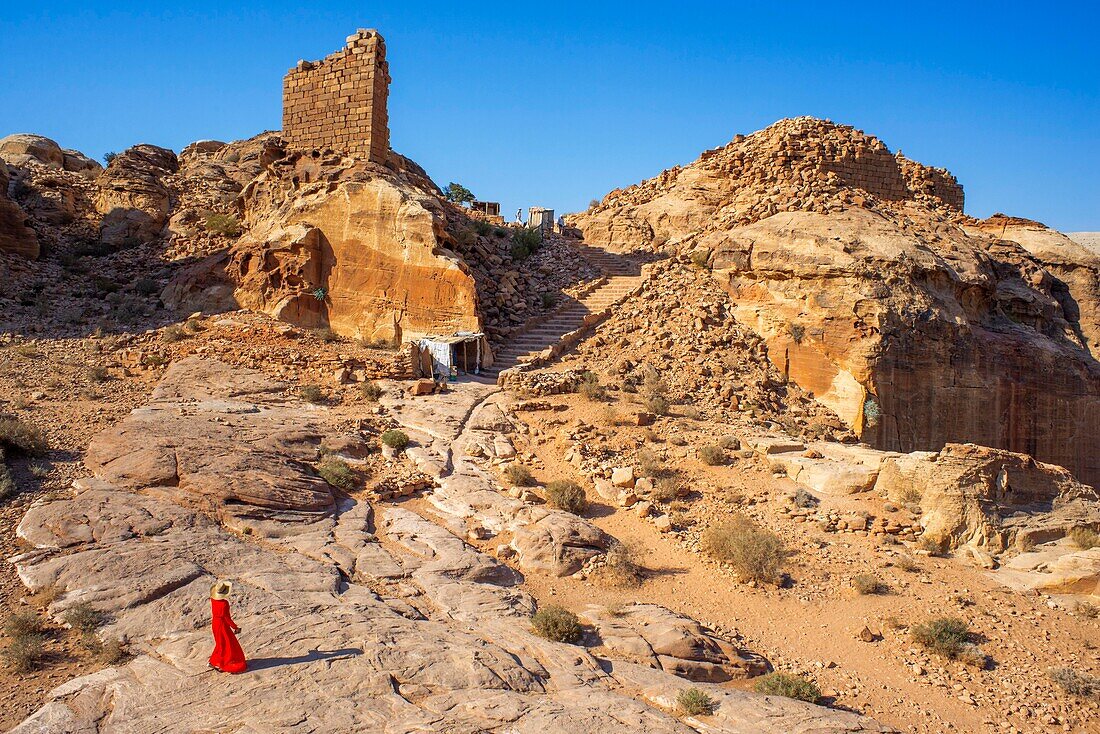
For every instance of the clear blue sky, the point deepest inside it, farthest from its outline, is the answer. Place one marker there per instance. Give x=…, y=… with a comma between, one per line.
x=555, y=105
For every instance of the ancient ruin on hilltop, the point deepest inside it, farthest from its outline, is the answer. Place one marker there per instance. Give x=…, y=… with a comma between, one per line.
x=340, y=101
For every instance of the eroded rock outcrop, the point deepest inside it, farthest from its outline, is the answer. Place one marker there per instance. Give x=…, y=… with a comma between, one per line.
x=133, y=196
x=988, y=498
x=853, y=266
x=15, y=236
x=353, y=246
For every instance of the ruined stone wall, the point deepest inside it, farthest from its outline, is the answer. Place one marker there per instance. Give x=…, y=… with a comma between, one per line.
x=340, y=101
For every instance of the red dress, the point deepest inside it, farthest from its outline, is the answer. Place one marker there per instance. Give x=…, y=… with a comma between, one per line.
x=228, y=656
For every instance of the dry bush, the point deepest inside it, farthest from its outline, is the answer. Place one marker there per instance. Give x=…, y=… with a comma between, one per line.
x=907, y=563
x=650, y=435
x=370, y=391
x=24, y=653
x=712, y=455
x=518, y=475
x=395, y=439
x=326, y=335
x=17, y=434
x=755, y=553
x=590, y=387
x=695, y=702
x=337, y=473
x=666, y=489
x=174, y=333
x=1084, y=538
x=947, y=636
x=45, y=596
x=620, y=569
x=566, y=495
x=557, y=624
x=657, y=405
x=23, y=623
x=611, y=417
x=98, y=373
x=691, y=413
x=1086, y=610
x=223, y=224
x=785, y=684
x=866, y=583
x=933, y=545
x=648, y=463
x=311, y=393
x=111, y=652
x=84, y=618
x=1075, y=683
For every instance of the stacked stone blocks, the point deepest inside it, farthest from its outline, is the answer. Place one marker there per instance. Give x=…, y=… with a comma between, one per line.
x=339, y=103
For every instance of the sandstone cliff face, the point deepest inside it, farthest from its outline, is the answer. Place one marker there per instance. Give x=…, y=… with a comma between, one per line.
x=852, y=265
x=351, y=246
x=1076, y=266
x=15, y=236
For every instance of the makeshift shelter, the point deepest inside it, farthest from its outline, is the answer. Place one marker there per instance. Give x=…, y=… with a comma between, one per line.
x=444, y=357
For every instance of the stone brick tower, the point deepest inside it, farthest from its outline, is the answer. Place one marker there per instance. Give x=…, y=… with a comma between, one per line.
x=340, y=101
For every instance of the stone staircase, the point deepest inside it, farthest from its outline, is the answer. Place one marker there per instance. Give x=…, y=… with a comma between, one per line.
x=622, y=275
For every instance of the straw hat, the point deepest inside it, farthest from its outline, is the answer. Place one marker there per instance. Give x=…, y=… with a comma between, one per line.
x=221, y=590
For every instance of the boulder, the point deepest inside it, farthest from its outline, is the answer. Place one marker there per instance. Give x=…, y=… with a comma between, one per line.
x=623, y=476
x=132, y=195
x=974, y=495
x=16, y=236
x=23, y=148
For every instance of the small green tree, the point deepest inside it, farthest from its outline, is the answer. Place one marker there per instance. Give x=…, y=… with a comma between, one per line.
x=109, y=156
x=458, y=193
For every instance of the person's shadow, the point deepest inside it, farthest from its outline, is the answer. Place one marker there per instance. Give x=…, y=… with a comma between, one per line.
x=312, y=656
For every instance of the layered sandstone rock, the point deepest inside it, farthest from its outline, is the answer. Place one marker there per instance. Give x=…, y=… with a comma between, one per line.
x=852, y=265
x=352, y=246
x=988, y=498
x=1075, y=265
x=133, y=196
x=15, y=236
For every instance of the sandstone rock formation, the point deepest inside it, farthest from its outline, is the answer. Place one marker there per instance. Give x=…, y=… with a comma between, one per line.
x=15, y=236
x=988, y=498
x=852, y=265
x=133, y=196
x=352, y=246
x=423, y=632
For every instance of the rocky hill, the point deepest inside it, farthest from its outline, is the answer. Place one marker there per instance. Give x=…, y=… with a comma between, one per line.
x=873, y=291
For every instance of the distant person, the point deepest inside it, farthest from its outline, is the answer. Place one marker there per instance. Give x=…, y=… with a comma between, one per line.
x=228, y=657
x=519, y=216
x=561, y=223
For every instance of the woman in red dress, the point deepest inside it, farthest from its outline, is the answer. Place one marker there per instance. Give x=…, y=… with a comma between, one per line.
x=228, y=656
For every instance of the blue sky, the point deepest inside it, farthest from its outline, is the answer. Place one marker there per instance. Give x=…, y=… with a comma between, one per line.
x=557, y=104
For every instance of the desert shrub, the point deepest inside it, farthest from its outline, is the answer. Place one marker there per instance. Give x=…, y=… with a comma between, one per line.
x=620, y=569
x=525, y=242
x=590, y=387
x=46, y=596
x=798, y=332
x=657, y=405
x=1086, y=610
x=666, y=489
x=1084, y=538
x=25, y=653
x=108, y=157
x=648, y=463
x=695, y=702
x=872, y=413
x=907, y=563
x=549, y=300
x=566, y=495
x=754, y=552
x=947, y=636
x=326, y=335
x=84, y=618
x=867, y=583
x=7, y=484
x=395, y=439
x=311, y=393
x=712, y=455
x=557, y=624
x=518, y=475
x=729, y=443
x=23, y=623
x=337, y=473
x=691, y=413
x=173, y=333
x=370, y=391
x=700, y=258
x=1074, y=683
x=17, y=434
x=785, y=684
x=933, y=545
x=110, y=652
x=223, y=224
x=482, y=227
x=803, y=498
x=146, y=286
x=98, y=373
